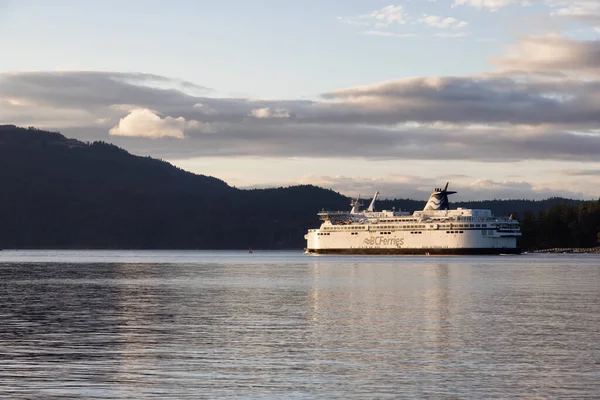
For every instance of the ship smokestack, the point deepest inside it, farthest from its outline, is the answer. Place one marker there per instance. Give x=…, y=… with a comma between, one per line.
x=439, y=199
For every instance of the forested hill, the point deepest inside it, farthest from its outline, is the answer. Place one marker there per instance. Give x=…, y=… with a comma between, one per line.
x=62, y=193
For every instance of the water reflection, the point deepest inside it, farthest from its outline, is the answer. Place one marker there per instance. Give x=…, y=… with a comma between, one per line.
x=325, y=327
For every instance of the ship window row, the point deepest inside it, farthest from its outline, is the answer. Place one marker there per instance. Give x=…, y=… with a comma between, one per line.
x=401, y=226
x=441, y=226
x=466, y=226
x=416, y=233
x=345, y=228
x=447, y=226
x=462, y=226
x=454, y=231
x=323, y=234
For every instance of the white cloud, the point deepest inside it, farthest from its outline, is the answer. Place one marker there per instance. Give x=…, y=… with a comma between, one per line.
x=436, y=21
x=491, y=5
x=268, y=112
x=546, y=53
x=146, y=123
x=577, y=9
x=204, y=109
x=387, y=15
x=16, y=102
x=584, y=11
x=379, y=18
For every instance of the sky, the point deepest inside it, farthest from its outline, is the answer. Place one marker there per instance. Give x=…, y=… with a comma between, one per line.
x=499, y=97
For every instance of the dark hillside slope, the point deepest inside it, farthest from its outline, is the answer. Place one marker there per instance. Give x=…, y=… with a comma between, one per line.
x=58, y=192
x=62, y=193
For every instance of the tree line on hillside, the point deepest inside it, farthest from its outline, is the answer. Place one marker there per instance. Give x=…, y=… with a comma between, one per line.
x=63, y=193
x=562, y=225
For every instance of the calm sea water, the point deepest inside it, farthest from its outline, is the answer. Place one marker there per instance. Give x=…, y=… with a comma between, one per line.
x=112, y=324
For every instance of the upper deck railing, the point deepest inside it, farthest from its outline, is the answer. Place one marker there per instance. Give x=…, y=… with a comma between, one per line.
x=401, y=218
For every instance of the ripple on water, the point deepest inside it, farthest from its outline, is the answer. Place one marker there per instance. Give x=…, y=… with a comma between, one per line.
x=288, y=325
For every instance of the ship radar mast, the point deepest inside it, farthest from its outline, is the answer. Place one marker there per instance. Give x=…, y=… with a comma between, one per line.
x=372, y=205
x=356, y=204
x=439, y=199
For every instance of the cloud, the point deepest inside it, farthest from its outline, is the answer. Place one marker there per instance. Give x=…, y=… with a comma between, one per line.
x=491, y=5
x=93, y=89
x=457, y=100
x=114, y=95
x=203, y=108
x=348, y=141
x=146, y=123
x=436, y=21
x=579, y=10
x=584, y=11
x=474, y=99
x=543, y=53
x=582, y=172
x=268, y=112
x=528, y=109
x=158, y=81
x=384, y=17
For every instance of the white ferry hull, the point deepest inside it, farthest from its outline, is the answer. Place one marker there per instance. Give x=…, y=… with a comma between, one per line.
x=463, y=242
x=408, y=251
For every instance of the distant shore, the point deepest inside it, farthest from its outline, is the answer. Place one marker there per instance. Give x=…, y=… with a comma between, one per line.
x=569, y=250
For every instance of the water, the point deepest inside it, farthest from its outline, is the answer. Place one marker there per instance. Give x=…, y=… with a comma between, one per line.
x=110, y=324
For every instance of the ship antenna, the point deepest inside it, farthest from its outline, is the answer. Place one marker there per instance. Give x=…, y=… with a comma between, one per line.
x=355, y=205
x=372, y=205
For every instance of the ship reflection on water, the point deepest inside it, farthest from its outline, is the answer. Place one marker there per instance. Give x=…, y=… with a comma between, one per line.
x=302, y=326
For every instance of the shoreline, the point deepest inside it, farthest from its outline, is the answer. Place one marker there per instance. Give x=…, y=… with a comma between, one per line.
x=581, y=250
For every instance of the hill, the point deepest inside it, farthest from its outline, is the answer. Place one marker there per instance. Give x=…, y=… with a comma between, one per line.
x=63, y=193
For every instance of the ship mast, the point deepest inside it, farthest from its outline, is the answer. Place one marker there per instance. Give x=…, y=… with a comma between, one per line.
x=355, y=205
x=372, y=205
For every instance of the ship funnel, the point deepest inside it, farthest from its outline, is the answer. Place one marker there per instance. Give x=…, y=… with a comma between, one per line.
x=439, y=199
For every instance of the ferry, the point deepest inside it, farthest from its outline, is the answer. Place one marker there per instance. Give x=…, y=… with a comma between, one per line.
x=435, y=230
